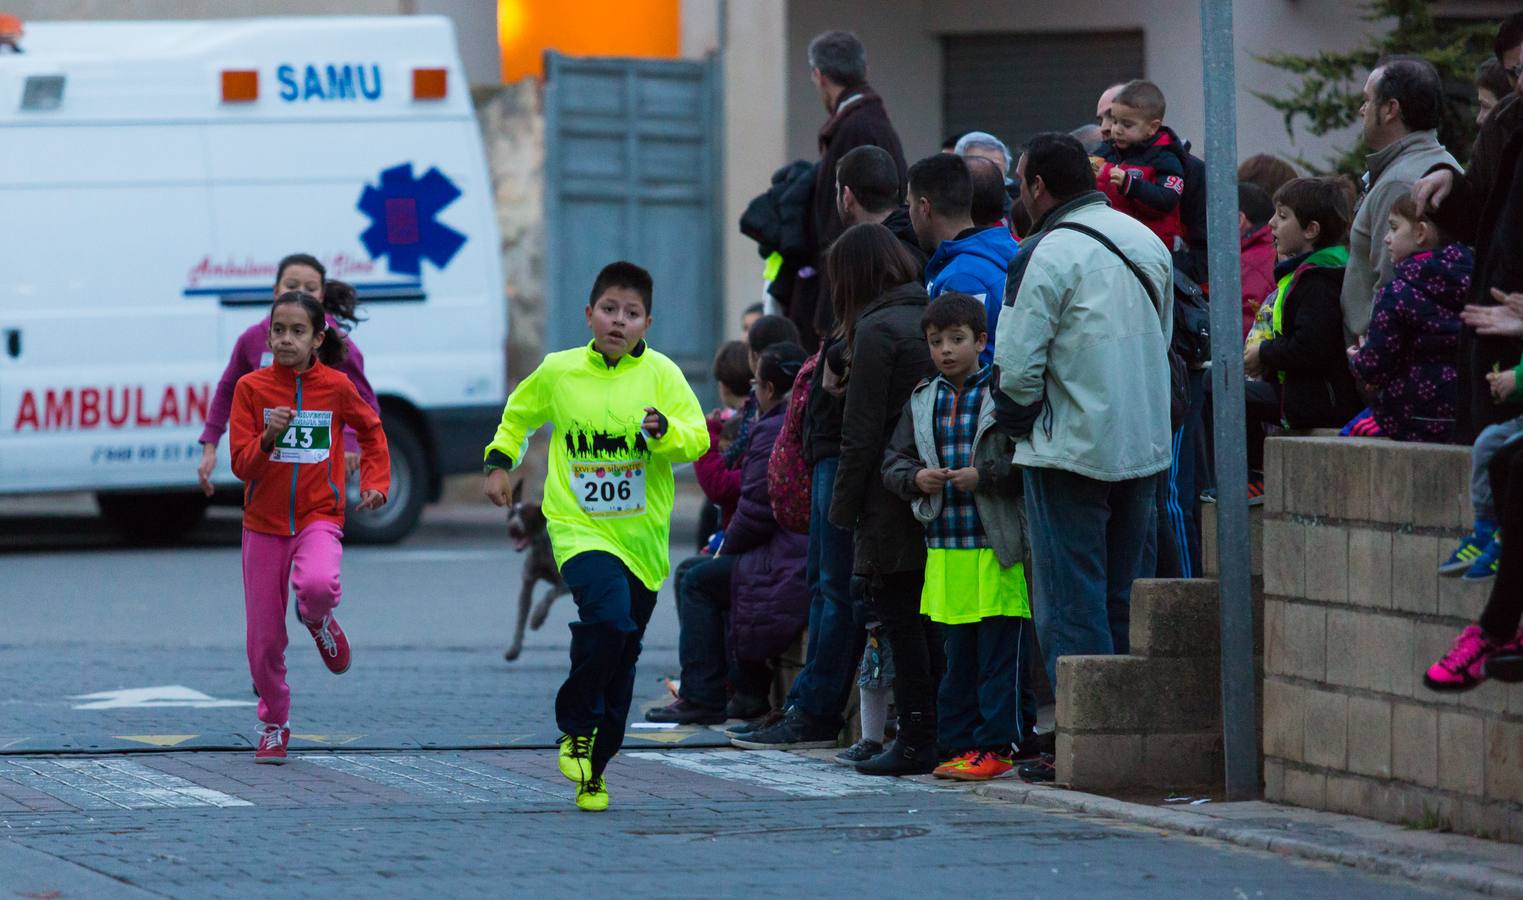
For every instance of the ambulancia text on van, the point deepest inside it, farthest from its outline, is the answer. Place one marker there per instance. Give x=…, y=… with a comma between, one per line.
x=152, y=175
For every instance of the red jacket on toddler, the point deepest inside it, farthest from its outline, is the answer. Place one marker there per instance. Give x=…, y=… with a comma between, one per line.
x=1155, y=181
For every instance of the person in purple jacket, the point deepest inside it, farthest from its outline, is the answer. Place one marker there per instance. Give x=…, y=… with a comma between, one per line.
x=297, y=272
x=748, y=602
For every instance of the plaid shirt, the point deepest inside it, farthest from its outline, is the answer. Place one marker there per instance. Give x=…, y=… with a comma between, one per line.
x=955, y=425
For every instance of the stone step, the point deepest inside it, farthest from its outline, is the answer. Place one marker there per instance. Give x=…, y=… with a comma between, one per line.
x=1180, y=617
x=1131, y=762
x=1175, y=617
x=1129, y=722
x=1132, y=694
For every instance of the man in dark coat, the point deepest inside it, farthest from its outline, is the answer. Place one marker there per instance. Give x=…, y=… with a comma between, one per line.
x=838, y=68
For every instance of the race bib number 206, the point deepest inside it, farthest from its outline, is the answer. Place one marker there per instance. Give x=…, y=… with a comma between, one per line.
x=609, y=489
x=306, y=440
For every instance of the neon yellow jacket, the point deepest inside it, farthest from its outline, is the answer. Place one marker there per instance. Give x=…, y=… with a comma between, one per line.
x=597, y=410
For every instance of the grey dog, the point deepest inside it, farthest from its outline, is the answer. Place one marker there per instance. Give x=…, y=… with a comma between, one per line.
x=526, y=527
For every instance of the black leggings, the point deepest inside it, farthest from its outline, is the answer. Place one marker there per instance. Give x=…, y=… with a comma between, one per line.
x=919, y=655
x=1500, y=617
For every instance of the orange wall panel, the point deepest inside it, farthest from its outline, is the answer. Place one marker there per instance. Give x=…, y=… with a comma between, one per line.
x=527, y=28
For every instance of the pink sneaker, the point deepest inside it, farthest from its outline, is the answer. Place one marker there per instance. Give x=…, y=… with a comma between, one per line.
x=1464, y=666
x=272, y=744
x=332, y=643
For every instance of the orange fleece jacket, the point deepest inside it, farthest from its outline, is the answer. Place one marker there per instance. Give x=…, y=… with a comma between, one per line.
x=283, y=497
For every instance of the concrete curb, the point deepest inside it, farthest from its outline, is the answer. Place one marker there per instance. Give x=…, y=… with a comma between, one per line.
x=1388, y=860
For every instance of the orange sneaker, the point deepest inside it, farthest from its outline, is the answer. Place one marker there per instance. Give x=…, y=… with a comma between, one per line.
x=955, y=764
x=984, y=765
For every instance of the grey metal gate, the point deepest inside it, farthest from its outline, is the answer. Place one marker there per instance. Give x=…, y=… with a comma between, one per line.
x=632, y=161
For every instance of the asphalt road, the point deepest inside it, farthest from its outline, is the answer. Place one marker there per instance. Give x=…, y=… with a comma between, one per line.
x=421, y=772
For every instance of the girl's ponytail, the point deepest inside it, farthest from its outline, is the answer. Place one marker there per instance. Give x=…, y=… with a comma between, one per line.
x=342, y=302
x=332, y=351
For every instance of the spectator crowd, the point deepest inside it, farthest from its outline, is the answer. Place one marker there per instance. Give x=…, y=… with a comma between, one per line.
x=974, y=408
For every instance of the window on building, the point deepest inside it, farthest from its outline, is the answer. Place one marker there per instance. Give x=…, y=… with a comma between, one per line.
x=1016, y=85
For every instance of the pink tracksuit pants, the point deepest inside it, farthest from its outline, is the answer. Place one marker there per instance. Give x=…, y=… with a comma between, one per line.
x=272, y=564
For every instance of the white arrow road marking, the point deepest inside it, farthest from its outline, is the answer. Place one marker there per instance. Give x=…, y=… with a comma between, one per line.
x=163, y=695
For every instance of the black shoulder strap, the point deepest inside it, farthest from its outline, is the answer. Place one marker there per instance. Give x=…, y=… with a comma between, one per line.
x=1110, y=245
x=1018, y=266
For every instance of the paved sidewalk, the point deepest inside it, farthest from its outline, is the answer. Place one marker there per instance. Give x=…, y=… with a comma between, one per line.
x=1446, y=861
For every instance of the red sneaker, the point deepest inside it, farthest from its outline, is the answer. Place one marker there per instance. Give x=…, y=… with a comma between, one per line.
x=955, y=764
x=272, y=744
x=986, y=764
x=331, y=643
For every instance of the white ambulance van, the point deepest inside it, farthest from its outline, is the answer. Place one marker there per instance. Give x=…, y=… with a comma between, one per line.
x=152, y=174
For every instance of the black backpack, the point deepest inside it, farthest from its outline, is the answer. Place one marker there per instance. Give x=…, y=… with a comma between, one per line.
x=1192, y=321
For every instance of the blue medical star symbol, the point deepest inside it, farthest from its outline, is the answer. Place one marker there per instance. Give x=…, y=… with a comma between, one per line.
x=402, y=219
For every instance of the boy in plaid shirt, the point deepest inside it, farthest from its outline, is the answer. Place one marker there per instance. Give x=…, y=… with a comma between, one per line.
x=953, y=466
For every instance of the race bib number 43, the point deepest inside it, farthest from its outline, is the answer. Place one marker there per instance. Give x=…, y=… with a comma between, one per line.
x=306, y=440
x=609, y=489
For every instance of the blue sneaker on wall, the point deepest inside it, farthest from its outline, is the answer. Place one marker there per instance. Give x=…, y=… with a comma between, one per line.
x=1464, y=556
x=1486, y=565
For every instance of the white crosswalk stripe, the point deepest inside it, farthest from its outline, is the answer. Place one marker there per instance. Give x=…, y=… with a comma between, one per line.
x=438, y=778
x=799, y=776
x=112, y=784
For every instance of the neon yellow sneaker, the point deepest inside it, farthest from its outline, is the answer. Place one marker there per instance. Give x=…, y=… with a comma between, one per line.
x=592, y=795
x=575, y=758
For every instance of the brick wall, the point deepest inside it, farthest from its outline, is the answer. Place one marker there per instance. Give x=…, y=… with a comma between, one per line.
x=1355, y=611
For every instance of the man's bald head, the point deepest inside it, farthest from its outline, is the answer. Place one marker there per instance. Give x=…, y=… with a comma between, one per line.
x=1103, y=109
x=989, y=196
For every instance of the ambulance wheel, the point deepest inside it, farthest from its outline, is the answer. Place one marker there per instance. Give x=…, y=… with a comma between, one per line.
x=409, y=491
x=152, y=518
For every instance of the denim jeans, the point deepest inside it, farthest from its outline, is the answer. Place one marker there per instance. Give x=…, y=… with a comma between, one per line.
x=1089, y=541
x=680, y=573
x=704, y=598
x=613, y=607
x=835, y=642
x=978, y=704
x=1491, y=439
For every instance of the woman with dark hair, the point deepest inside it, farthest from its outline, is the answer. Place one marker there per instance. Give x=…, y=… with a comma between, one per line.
x=879, y=301
x=1266, y=172
x=297, y=272
x=747, y=603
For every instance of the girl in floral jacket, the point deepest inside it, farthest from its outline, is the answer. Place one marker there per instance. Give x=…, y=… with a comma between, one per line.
x=1408, y=359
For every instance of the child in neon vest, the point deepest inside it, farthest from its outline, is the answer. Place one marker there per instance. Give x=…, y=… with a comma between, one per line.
x=623, y=414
